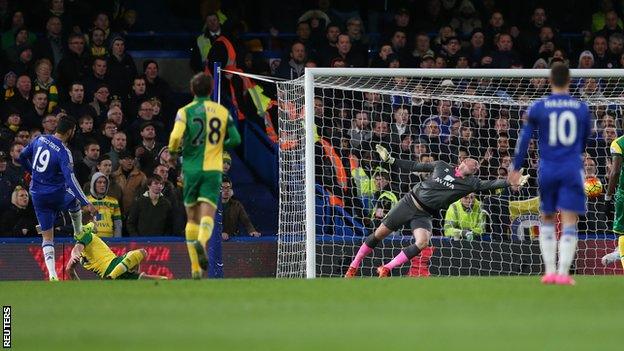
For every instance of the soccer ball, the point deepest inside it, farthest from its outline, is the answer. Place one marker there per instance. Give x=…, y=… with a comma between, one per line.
x=593, y=187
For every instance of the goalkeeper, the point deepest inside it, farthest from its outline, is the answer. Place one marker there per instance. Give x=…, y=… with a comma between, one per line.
x=96, y=256
x=444, y=186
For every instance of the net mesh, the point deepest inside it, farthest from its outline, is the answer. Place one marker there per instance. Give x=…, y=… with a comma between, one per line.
x=428, y=119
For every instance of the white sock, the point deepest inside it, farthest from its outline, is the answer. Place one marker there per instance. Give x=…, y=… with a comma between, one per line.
x=76, y=218
x=548, y=246
x=567, y=249
x=48, y=257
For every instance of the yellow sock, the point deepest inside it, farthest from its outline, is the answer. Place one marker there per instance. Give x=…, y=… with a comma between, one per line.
x=191, y=231
x=205, y=230
x=621, y=248
x=132, y=259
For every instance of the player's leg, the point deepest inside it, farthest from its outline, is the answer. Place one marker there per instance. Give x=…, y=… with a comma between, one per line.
x=547, y=237
x=206, y=213
x=572, y=201
x=394, y=220
x=191, y=231
x=130, y=262
x=209, y=191
x=548, y=246
x=45, y=217
x=421, y=229
x=567, y=246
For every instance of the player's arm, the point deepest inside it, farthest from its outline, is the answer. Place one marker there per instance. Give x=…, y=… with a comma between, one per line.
x=403, y=165
x=614, y=172
x=525, y=138
x=25, y=157
x=70, y=268
x=177, y=134
x=484, y=185
x=234, y=137
x=67, y=167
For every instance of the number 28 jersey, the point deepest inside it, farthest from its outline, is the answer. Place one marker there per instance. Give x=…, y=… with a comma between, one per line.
x=201, y=126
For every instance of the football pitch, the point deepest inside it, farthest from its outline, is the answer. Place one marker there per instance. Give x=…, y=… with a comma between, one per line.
x=504, y=313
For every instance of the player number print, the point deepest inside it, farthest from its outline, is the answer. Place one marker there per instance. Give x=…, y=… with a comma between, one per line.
x=557, y=131
x=41, y=160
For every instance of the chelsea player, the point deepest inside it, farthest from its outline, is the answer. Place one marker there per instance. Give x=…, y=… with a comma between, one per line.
x=564, y=124
x=54, y=187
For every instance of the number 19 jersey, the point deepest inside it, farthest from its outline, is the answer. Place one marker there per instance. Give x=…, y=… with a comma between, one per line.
x=203, y=124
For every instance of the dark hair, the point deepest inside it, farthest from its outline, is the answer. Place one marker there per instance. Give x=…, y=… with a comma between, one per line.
x=65, y=124
x=90, y=142
x=201, y=85
x=147, y=62
x=226, y=179
x=85, y=117
x=103, y=158
x=559, y=75
x=154, y=178
x=74, y=36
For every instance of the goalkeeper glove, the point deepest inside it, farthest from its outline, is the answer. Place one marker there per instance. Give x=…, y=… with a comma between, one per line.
x=384, y=154
x=523, y=178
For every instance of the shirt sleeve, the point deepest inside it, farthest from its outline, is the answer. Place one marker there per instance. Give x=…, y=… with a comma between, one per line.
x=179, y=127
x=525, y=137
x=484, y=185
x=25, y=157
x=615, y=148
x=67, y=166
x=234, y=137
x=411, y=166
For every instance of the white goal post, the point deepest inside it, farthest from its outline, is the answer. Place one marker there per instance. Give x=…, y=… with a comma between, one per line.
x=502, y=92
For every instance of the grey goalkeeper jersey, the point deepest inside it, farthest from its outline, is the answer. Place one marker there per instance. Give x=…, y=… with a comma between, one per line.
x=443, y=188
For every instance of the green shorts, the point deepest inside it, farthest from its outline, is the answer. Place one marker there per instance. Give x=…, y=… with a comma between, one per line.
x=618, y=220
x=203, y=186
x=127, y=275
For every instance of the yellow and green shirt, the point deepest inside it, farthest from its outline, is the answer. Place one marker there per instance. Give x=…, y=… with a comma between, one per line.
x=108, y=212
x=616, y=149
x=96, y=256
x=199, y=130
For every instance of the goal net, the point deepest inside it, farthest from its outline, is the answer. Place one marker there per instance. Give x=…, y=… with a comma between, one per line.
x=334, y=189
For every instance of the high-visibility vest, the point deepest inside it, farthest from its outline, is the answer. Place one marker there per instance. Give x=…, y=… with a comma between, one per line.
x=388, y=195
x=268, y=123
x=330, y=152
x=204, y=45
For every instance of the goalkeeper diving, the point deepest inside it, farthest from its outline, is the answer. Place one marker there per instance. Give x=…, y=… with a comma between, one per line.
x=96, y=256
x=445, y=185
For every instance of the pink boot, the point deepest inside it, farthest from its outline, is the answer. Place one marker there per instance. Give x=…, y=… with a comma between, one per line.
x=550, y=278
x=564, y=280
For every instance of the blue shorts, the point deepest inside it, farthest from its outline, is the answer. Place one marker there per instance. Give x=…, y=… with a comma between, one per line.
x=561, y=189
x=47, y=207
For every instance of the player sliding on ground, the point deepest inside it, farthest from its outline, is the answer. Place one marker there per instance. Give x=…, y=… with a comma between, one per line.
x=563, y=124
x=96, y=256
x=199, y=130
x=446, y=185
x=54, y=187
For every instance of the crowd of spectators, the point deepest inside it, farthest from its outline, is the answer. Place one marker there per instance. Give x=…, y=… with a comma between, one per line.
x=61, y=58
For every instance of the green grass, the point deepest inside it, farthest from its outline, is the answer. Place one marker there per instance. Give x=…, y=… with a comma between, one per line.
x=507, y=313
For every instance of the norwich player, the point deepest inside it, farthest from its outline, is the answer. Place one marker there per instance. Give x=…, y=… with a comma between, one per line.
x=96, y=256
x=199, y=130
x=616, y=182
